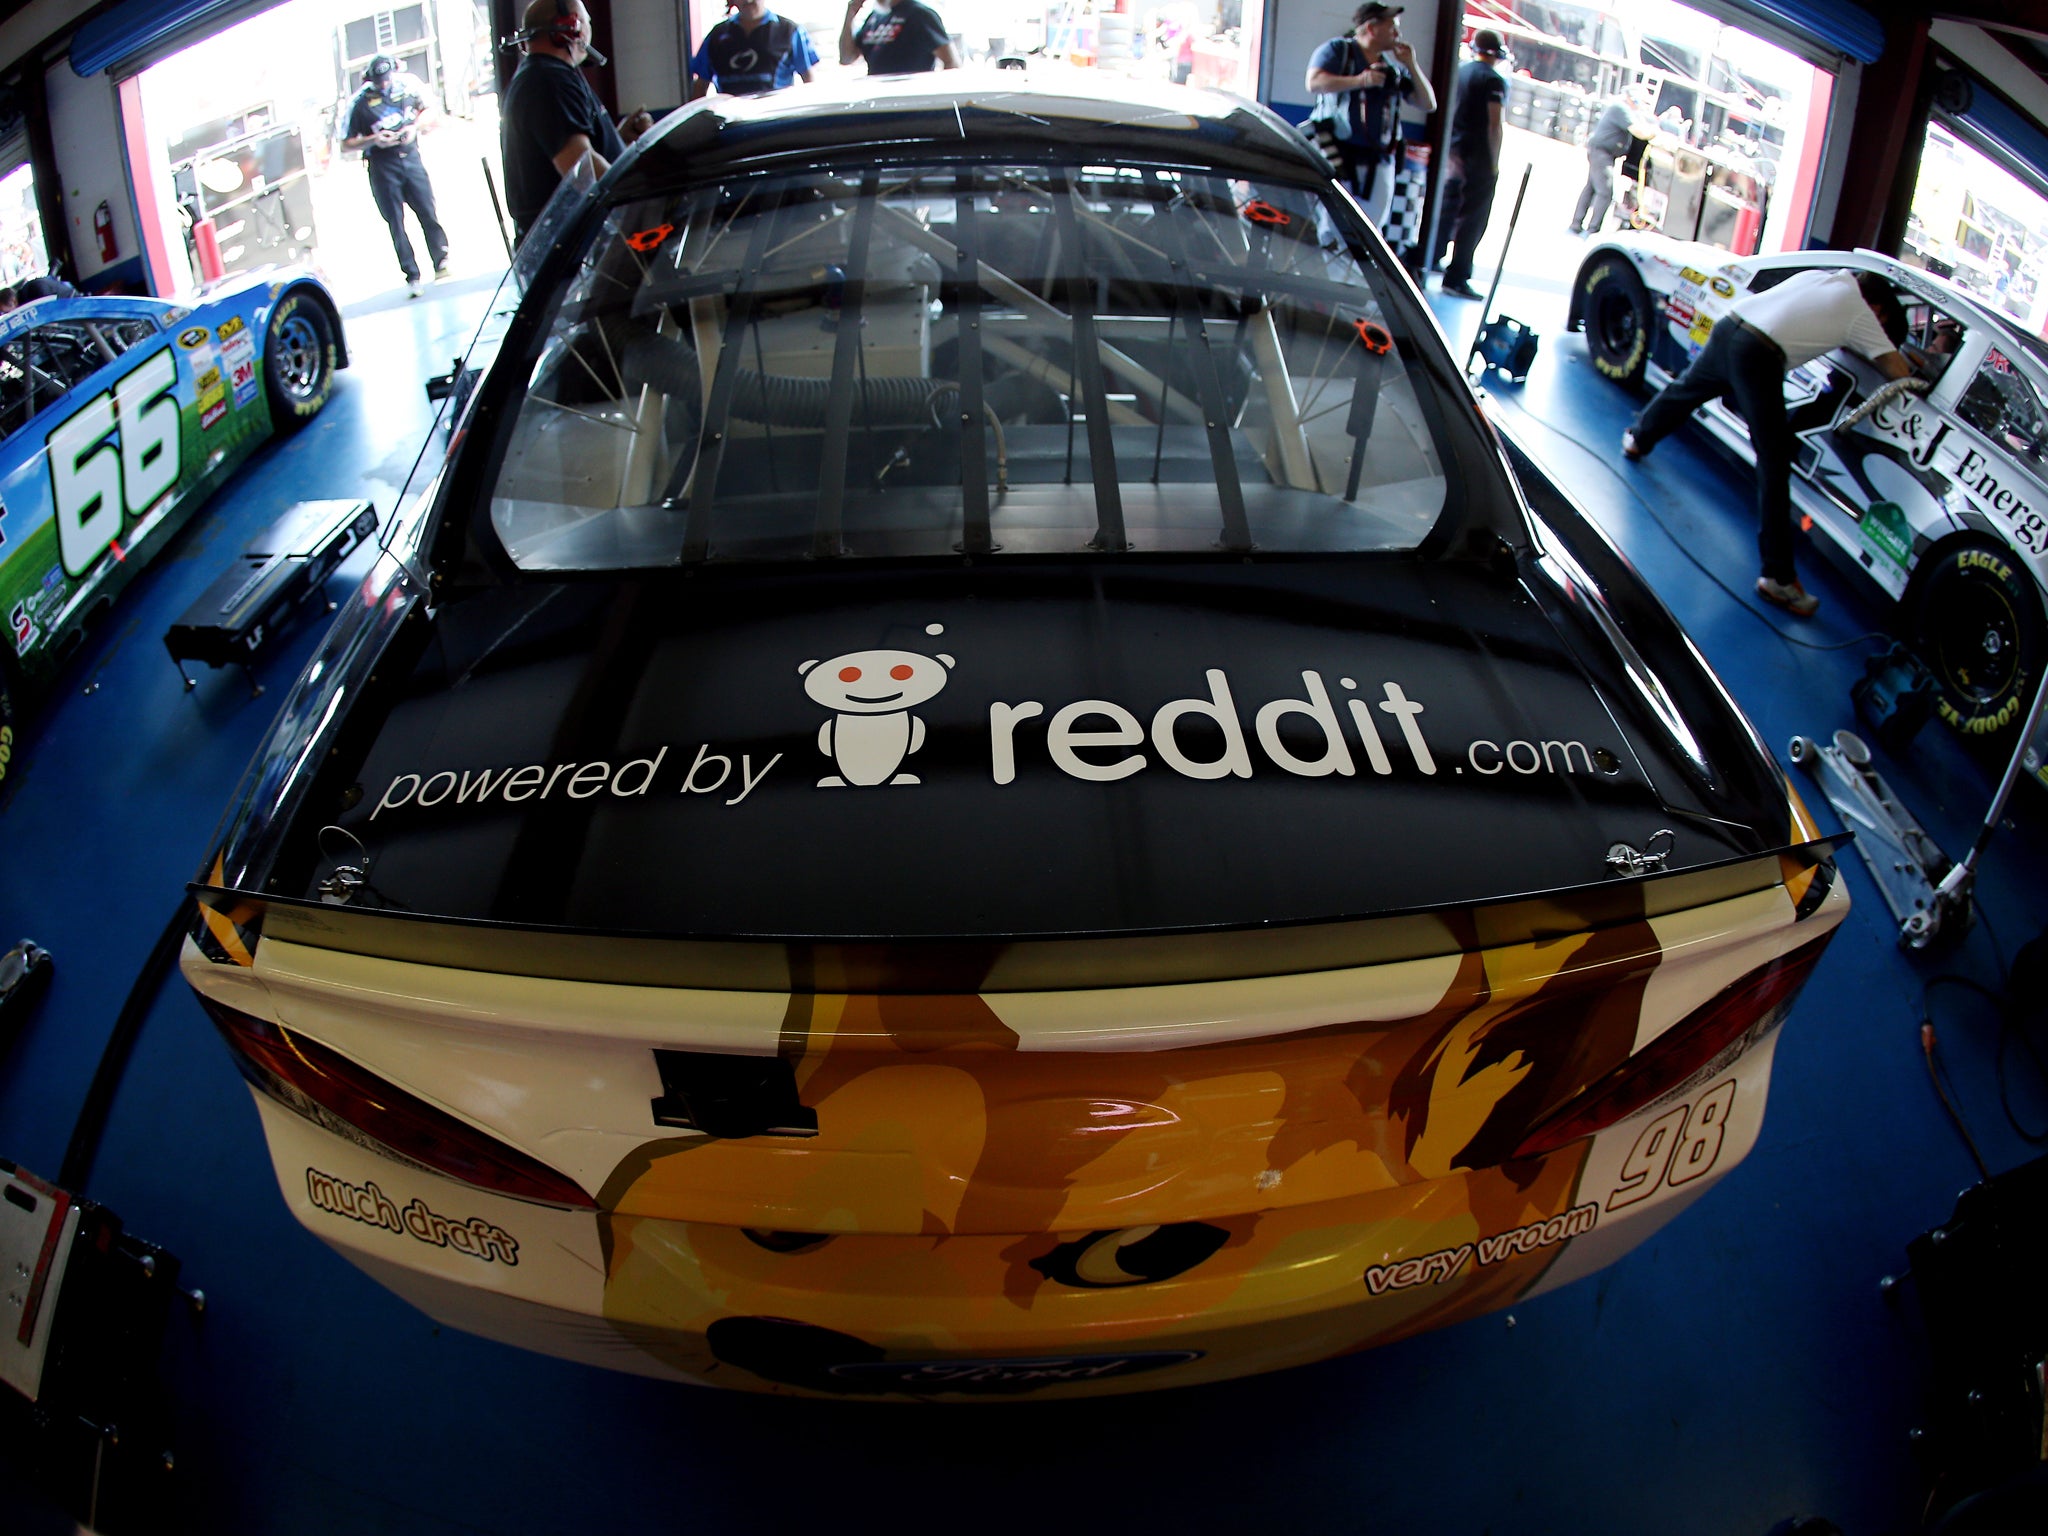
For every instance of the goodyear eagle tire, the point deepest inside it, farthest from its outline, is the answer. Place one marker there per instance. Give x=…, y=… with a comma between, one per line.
x=298, y=361
x=1977, y=623
x=1616, y=309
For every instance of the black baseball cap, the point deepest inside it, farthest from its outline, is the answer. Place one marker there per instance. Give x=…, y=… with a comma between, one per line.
x=380, y=66
x=1374, y=12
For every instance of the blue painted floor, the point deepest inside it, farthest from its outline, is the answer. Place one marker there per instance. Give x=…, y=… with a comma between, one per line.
x=1738, y=1368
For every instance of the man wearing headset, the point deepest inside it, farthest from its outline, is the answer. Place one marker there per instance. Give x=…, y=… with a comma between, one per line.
x=551, y=118
x=385, y=121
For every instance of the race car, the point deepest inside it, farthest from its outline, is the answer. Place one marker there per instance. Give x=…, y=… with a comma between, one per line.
x=118, y=418
x=1933, y=487
x=979, y=776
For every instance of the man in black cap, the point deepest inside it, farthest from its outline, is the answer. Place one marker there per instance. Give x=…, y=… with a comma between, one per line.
x=384, y=121
x=1474, y=168
x=1360, y=83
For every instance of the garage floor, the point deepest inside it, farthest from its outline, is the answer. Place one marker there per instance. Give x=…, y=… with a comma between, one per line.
x=1737, y=1369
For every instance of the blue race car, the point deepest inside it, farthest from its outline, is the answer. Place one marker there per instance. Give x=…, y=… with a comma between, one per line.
x=118, y=418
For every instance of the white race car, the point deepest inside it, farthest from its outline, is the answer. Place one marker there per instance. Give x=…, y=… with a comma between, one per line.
x=1934, y=485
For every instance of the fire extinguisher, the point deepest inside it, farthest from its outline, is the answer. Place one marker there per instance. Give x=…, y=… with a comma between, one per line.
x=103, y=226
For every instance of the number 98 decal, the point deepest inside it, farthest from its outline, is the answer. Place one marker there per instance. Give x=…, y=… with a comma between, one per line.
x=1675, y=1148
x=96, y=485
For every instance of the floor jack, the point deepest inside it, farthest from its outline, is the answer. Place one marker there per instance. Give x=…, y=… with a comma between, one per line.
x=1925, y=890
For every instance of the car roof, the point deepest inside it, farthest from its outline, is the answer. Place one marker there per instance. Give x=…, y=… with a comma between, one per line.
x=963, y=115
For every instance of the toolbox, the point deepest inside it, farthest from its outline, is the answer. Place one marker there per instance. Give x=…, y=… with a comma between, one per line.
x=257, y=597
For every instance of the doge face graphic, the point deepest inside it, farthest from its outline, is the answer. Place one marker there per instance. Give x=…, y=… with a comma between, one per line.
x=874, y=682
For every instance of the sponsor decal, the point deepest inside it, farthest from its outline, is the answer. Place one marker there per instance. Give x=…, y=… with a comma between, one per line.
x=1883, y=527
x=1678, y=311
x=213, y=398
x=24, y=627
x=1446, y=1263
x=1723, y=287
x=194, y=336
x=369, y=1205
x=537, y=781
x=872, y=734
x=173, y=317
x=870, y=693
x=1691, y=275
x=229, y=328
x=1005, y=1375
x=1991, y=487
x=1702, y=328
x=238, y=357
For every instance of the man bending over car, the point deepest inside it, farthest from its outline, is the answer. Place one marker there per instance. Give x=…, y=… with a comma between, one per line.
x=1746, y=358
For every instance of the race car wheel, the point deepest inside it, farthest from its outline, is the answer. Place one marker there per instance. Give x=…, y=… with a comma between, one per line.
x=298, y=361
x=1616, y=307
x=1977, y=623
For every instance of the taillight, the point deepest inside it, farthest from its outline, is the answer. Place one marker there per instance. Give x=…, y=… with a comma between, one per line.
x=412, y=1129
x=1678, y=1053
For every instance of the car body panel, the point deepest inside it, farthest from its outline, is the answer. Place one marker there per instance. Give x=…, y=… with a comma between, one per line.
x=980, y=1158
x=1917, y=471
x=86, y=507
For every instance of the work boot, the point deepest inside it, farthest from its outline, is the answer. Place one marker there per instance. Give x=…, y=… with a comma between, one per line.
x=1788, y=595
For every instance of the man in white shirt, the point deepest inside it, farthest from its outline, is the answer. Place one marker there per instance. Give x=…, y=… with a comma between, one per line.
x=1746, y=358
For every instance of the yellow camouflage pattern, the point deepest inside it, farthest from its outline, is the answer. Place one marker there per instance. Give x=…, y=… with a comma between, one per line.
x=1219, y=1209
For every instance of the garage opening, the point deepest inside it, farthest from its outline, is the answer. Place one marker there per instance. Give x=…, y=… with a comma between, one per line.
x=1979, y=225
x=22, y=252
x=247, y=128
x=1725, y=127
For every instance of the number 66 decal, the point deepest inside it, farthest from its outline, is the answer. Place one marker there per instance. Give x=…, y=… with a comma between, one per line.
x=95, y=484
x=1675, y=1148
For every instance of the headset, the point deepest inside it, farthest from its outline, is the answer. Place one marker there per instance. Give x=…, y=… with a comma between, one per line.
x=563, y=30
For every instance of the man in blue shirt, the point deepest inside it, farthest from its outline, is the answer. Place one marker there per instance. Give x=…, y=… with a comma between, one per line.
x=751, y=52
x=1360, y=83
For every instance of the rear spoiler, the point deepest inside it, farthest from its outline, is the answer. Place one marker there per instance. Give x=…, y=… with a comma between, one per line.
x=230, y=921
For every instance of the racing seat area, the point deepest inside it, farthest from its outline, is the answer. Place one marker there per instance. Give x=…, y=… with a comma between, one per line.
x=819, y=373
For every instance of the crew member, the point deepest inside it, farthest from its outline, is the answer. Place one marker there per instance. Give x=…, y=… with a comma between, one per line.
x=1746, y=358
x=899, y=37
x=1612, y=135
x=751, y=52
x=1359, y=83
x=551, y=118
x=385, y=121
x=1474, y=168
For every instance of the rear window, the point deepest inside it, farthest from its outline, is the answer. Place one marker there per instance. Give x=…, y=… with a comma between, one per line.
x=1003, y=358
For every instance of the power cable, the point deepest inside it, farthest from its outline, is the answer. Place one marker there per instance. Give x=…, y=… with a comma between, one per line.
x=91, y=1125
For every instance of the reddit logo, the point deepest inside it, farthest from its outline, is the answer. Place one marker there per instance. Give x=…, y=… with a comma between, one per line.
x=871, y=694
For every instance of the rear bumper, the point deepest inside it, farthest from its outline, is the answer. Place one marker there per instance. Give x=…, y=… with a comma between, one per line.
x=990, y=1315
